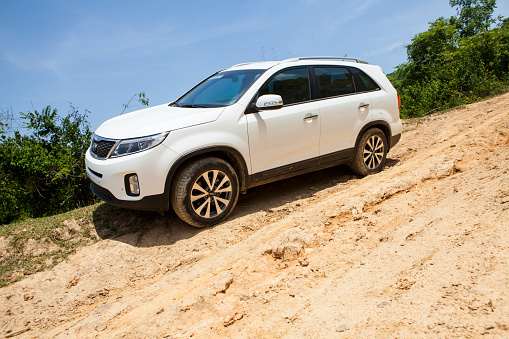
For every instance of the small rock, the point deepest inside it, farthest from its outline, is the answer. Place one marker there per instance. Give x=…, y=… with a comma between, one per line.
x=303, y=262
x=342, y=328
x=404, y=284
x=100, y=327
x=233, y=318
x=160, y=311
x=73, y=282
x=331, y=214
x=290, y=318
x=382, y=304
x=282, y=265
x=100, y=293
x=224, y=281
x=267, y=250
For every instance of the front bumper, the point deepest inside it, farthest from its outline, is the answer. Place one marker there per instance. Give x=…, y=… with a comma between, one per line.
x=160, y=202
x=151, y=167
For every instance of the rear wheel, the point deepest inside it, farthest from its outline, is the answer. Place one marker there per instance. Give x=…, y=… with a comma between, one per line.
x=205, y=192
x=370, y=153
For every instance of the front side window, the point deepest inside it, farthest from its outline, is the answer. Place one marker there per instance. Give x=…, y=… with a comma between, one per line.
x=221, y=89
x=292, y=85
x=334, y=81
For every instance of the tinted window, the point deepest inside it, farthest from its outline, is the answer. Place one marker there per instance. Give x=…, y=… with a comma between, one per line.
x=292, y=85
x=363, y=82
x=334, y=81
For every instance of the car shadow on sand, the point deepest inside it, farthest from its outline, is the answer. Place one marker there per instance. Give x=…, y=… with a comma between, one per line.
x=147, y=229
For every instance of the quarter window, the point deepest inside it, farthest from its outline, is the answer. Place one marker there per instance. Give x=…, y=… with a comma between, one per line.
x=334, y=81
x=292, y=85
x=363, y=82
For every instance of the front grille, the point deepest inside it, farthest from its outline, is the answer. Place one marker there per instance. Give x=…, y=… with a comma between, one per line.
x=101, y=147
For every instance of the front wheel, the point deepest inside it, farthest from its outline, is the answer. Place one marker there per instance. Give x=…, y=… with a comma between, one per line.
x=370, y=153
x=205, y=192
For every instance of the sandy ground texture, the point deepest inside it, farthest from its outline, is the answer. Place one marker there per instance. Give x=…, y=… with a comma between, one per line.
x=419, y=250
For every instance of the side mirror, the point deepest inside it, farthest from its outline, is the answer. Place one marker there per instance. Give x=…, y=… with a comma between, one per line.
x=269, y=101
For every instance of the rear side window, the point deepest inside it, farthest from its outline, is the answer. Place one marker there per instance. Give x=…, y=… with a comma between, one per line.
x=292, y=85
x=334, y=81
x=363, y=82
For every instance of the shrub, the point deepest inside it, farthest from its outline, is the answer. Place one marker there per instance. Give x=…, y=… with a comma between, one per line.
x=42, y=172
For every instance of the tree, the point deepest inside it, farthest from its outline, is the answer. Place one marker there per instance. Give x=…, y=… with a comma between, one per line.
x=141, y=99
x=431, y=48
x=7, y=122
x=448, y=65
x=474, y=16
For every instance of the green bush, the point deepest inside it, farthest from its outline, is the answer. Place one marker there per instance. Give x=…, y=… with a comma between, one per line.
x=42, y=172
x=447, y=67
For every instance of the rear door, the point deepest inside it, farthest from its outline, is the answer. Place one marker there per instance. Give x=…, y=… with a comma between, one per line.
x=343, y=110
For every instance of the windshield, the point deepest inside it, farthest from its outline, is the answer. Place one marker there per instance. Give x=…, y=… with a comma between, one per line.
x=220, y=90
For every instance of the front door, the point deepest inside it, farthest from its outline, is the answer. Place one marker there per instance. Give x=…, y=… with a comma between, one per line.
x=289, y=135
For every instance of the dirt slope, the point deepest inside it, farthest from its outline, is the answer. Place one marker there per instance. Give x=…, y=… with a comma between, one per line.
x=419, y=250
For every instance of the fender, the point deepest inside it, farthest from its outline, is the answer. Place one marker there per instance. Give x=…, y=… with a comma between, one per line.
x=384, y=126
x=226, y=153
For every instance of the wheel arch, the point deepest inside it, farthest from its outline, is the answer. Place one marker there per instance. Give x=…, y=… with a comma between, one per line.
x=228, y=154
x=382, y=125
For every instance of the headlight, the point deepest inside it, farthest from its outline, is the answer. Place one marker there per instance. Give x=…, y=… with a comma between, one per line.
x=130, y=146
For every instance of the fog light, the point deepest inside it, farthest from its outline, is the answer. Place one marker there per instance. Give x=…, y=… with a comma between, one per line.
x=132, y=184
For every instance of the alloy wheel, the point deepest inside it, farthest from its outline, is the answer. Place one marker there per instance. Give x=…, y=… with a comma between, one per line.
x=373, y=152
x=211, y=194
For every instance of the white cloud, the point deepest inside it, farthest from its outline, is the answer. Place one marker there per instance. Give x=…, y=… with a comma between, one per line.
x=387, y=49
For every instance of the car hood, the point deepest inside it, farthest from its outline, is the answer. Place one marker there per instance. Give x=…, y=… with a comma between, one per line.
x=156, y=120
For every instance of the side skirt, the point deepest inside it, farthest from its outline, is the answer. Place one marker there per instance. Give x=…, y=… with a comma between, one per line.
x=303, y=167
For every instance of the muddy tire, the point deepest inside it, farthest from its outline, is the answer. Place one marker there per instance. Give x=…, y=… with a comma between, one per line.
x=370, y=153
x=205, y=192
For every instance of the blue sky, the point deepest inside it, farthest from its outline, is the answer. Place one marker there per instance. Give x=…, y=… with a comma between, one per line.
x=97, y=54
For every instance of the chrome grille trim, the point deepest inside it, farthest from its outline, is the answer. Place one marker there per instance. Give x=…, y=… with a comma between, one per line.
x=101, y=148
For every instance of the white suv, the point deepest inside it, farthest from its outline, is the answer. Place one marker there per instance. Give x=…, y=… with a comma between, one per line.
x=245, y=126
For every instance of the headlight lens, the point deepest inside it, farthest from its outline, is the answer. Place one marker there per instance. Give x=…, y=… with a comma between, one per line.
x=130, y=146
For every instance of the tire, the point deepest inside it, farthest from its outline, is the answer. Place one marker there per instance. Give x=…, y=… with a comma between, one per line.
x=205, y=192
x=370, y=153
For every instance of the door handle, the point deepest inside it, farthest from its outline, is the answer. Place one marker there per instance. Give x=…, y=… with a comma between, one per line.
x=310, y=116
x=362, y=105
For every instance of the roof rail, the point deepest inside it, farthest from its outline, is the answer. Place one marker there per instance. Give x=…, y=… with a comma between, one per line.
x=243, y=64
x=325, y=58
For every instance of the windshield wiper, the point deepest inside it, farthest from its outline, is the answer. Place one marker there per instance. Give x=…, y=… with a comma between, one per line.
x=191, y=106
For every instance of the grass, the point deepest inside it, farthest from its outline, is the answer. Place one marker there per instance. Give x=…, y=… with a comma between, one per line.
x=35, y=245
